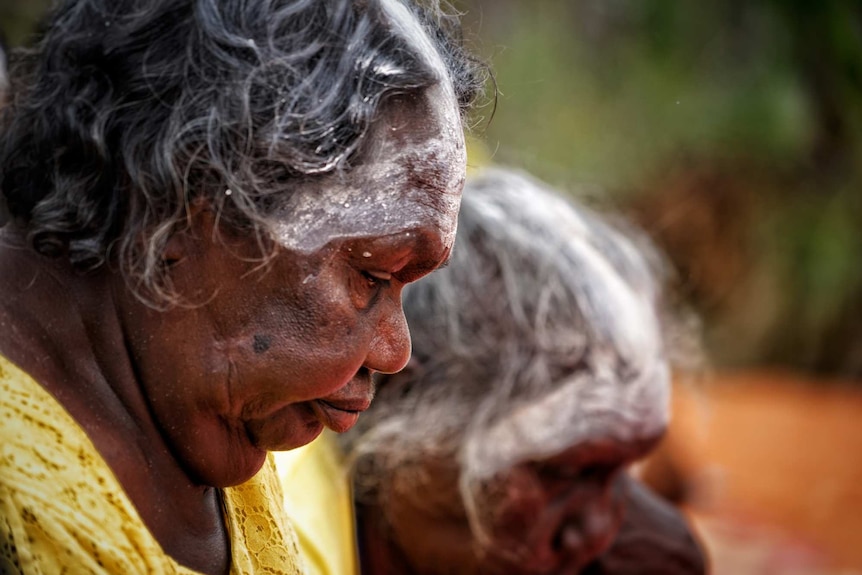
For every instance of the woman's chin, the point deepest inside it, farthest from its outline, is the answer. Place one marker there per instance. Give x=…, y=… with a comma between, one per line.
x=229, y=468
x=294, y=440
x=292, y=426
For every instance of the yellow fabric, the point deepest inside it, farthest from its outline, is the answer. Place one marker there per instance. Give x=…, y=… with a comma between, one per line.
x=319, y=502
x=62, y=510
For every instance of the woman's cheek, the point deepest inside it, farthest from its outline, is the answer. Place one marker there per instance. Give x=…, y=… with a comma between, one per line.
x=512, y=505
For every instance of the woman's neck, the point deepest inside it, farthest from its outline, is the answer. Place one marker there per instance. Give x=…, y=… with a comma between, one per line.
x=63, y=329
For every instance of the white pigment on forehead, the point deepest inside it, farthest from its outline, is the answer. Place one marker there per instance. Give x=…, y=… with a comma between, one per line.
x=372, y=200
x=377, y=199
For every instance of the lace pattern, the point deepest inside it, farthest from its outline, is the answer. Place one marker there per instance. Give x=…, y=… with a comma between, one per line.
x=62, y=510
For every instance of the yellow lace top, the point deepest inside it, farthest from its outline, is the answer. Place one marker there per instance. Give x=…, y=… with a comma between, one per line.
x=62, y=511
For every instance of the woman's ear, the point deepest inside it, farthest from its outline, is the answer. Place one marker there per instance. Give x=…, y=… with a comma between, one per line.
x=186, y=240
x=173, y=252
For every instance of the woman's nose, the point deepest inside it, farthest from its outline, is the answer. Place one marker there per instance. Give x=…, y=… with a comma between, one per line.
x=390, y=347
x=575, y=526
x=590, y=530
x=583, y=511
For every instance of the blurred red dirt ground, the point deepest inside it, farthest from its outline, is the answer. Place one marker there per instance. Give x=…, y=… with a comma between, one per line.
x=769, y=464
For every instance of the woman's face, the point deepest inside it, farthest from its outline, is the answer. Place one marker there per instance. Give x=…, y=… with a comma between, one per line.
x=551, y=516
x=276, y=352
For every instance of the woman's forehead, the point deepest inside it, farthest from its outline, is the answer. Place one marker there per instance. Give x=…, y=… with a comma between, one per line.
x=411, y=178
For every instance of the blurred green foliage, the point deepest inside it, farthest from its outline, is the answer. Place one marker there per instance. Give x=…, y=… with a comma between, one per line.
x=605, y=91
x=18, y=18
x=730, y=129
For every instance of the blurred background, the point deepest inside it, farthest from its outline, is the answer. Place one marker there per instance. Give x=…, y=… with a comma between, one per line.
x=730, y=130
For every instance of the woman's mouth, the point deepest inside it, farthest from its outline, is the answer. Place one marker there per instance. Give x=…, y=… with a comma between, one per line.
x=340, y=410
x=338, y=416
x=296, y=424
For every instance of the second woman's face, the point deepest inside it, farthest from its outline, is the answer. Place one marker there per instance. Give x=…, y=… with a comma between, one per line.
x=279, y=351
x=545, y=517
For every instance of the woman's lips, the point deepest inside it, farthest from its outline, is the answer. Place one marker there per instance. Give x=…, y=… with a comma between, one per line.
x=296, y=424
x=340, y=410
x=338, y=417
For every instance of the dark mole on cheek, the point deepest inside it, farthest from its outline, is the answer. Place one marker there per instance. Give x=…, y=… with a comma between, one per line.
x=261, y=343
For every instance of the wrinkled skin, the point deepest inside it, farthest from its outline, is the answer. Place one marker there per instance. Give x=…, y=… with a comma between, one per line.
x=262, y=357
x=278, y=351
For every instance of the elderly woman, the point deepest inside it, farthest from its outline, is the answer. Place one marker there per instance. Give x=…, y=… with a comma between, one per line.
x=539, y=373
x=211, y=208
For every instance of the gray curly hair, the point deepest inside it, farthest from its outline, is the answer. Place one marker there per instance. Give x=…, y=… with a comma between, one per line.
x=127, y=110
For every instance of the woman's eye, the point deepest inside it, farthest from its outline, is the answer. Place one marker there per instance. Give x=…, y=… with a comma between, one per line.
x=376, y=279
x=367, y=286
x=370, y=280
